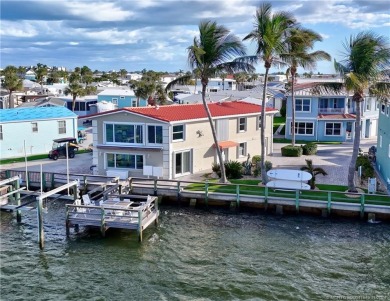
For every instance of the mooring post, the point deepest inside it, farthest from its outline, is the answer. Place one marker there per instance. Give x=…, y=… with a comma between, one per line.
x=178, y=190
x=362, y=205
x=140, y=225
x=329, y=202
x=155, y=187
x=67, y=220
x=297, y=200
x=43, y=181
x=206, y=197
x=103, y=222
x=156, y=207
x=238, y=195
x=85, y=184
x=265, y=198
x=52, y=181
x=17, y=196
x=41, y=237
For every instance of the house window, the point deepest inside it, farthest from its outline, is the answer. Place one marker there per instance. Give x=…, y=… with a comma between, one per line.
x=34, y=127
x=155, y=134
x=127, y=161
x=121, y=97
x=134, y=103
x=242, y=124
x=183, y=162
x=124, y=133
x=259, y=122
x=333, y=129
x=302, y=105
x=303, y=128
x=178, y=132
x=383, y=108
x=115, y=101
x=368, y=105
x=62, y=127
x=1, y=132
x=241, y=152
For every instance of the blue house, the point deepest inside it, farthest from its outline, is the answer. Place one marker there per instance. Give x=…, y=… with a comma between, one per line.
x=383, y=143
x=32, y=130
x=121, y=98
x=321, y=115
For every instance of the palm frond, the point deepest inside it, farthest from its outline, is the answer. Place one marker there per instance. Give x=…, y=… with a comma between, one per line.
x=182, y=80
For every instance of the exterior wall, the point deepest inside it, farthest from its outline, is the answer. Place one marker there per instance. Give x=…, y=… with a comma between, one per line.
x=383, y=145
x=321, y=136
x=125, y=101
x=40, y=142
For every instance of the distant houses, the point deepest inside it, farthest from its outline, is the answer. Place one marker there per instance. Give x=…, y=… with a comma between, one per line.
x=175, y=140
x=321, y=115
x=383, y=143
x=31, y=131
x=121, y=98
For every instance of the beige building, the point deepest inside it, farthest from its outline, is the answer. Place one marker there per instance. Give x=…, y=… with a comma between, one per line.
x=176, y=140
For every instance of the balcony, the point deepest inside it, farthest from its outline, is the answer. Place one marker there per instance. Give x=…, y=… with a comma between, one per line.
x=331, y=110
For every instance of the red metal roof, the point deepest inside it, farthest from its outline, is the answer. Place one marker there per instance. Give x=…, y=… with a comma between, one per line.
x=336, y=116
x=197, y=111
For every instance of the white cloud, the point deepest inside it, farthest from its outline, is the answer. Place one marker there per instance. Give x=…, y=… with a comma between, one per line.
x=98, y=11
x=74, y=43
x=18, y=29
x=42, y=43
x=324, y=36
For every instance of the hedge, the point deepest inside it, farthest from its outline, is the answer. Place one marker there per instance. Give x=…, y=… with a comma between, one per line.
x=310, y=149
x=292, y=151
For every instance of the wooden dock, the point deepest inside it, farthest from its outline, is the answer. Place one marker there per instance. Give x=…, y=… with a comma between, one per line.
x=119, y=211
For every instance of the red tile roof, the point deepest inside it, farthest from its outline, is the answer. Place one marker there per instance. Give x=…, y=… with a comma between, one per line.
x=192, y=111
x=336, y=116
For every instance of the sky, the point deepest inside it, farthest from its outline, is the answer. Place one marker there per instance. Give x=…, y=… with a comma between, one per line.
x=155, y=34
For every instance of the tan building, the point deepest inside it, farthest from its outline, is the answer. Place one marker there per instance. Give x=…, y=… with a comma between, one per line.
x=176, y=140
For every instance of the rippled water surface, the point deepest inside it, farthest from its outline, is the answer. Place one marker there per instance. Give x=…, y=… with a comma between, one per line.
x=196, y=254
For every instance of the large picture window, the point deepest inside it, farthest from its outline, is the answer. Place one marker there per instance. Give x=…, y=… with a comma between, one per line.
x=155, y=134
x=302, y=105
x=124, y=133
x=178, y=132
x=125, y=161
x=303, y=128
x=333, y=129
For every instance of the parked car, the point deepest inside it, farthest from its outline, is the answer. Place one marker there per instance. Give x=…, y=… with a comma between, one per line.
x=59, y=148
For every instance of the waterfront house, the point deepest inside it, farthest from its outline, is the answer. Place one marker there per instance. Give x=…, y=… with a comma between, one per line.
x=175, y=140
x=321, y=115
x=383, y=143
x=121, y=98
x=35, y=128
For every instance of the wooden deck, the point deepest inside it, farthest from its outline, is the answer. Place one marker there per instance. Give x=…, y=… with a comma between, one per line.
x=117, y=211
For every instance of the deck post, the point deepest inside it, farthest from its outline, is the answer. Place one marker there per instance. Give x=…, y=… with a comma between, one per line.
x=41, y=237
x=266, y=198
x=67, y=220
x=329, y=202
x=43, y=181
x=17, y=197
x=103, y=222
x=362, y=205
x=155, y=187
x=140, y=225
x=52, y=181
x=297, y=200
x=238, y=195
x=156, y=207
x=85, y=184
x=206, y=197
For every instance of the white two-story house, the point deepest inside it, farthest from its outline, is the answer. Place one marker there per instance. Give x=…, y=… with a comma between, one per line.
x=175, y=140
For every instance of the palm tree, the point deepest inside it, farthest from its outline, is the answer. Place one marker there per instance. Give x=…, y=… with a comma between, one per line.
x=123, y=73
x=211, y=53
x=314, y=171
x=86, y=75
x=269, y=33
x=11, y=82
x=74, y=89
x=41, y=72
x=366, y=57
x=299, y=43
x=139, y=90
x=223, y=76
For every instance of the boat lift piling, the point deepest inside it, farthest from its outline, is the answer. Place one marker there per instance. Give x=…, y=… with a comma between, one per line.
x=16, y=185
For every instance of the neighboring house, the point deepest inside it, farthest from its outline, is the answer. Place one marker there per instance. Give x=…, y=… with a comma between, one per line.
x=383, y=144
x=216, y=85
x=35, y=128
x=175, y=140
x=30, y=75
x=133, y=76
x=321, y=115
x=121, y=98
x=85, y=105
x=4, y=97
x=44, y=102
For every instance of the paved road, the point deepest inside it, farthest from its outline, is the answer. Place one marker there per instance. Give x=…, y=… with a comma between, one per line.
x=334, y=159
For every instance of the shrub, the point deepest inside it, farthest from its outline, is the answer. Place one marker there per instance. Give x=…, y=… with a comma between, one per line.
x=367, y=169
x=216, y=168
x=283, y=110
x=233, y=169
x=291, y=151
x=268, y=165
x=310, y=148
x=256, y=162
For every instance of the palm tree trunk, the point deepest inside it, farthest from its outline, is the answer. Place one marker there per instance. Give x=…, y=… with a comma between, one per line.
x=219, y=153
x=73, y=102
x=355, y=151
x=293, y=110
x=264, y=178
x=11, y=104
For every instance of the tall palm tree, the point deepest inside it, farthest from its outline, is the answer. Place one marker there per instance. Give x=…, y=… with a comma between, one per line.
x=75, y=89
x=211, y=53
x=12, y=83
x=86, y=75
x=40, y=72
x=269, y=32
x=139, y=90
x=299, y=42
x=223, y=76
x=366, y=57
x=123, y=73
x=314, y=171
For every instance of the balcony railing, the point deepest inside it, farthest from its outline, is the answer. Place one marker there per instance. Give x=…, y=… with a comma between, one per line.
x=331, y=110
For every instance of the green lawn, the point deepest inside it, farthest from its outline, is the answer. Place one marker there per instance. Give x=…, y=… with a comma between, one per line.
x=277, y=122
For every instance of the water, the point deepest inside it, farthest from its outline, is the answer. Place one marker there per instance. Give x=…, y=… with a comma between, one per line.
x=198, y=255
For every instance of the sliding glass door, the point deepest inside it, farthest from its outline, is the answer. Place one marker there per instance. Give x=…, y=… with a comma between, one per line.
x=182, y=162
